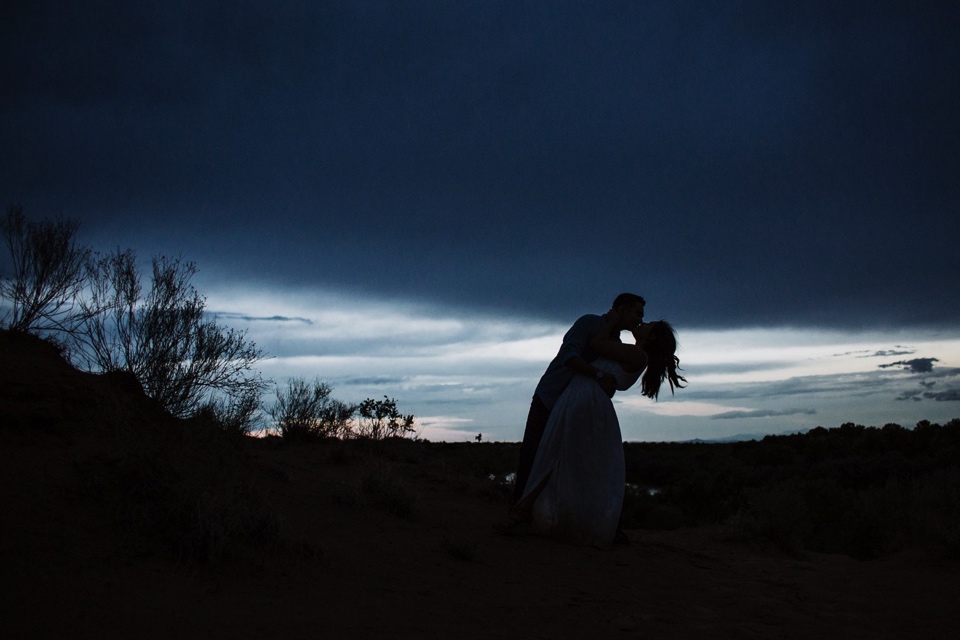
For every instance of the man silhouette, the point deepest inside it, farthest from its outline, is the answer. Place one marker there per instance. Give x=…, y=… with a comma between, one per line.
x=573, y=358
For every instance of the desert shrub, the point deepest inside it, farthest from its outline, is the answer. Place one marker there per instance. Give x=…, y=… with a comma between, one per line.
x=379, y=419
x=305, y=411
x=48, y=273
x=163, y=336
x=238, y=415
x=97, y=310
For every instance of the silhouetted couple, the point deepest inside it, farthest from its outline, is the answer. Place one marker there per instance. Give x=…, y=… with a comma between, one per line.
x=571, y=478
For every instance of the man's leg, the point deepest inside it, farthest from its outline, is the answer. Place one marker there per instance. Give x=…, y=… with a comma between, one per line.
x=536, y=422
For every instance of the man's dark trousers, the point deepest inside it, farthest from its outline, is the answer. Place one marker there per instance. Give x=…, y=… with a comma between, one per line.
x=536, y=423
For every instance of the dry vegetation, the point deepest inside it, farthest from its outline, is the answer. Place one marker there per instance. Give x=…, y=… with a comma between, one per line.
x=866, y=492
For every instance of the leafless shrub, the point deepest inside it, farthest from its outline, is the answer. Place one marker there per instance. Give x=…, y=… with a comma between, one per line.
x=239, y=414
x=163, y=336
x=48, y=273
x=305, y=411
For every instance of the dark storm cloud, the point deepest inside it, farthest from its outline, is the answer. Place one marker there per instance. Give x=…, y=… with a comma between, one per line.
x=949, y=395
x=911, y=395
x=849, y=385
x=371, y=381
x=926, y=391
x=226, y=315
x=917, y=365
x=882, y=353
x=737, y=163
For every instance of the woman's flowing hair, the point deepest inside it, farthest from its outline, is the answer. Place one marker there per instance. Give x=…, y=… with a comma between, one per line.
x=662, y=362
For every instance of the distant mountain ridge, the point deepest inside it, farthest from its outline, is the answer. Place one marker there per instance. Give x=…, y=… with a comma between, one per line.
x=740, y=437
x=744, y=437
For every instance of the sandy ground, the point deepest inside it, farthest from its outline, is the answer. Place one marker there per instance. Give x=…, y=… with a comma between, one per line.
x=67, y=570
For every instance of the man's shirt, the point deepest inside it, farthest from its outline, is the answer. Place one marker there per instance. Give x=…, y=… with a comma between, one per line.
x=575, y=343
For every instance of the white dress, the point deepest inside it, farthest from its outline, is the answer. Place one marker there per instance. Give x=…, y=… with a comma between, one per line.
x=579, y=464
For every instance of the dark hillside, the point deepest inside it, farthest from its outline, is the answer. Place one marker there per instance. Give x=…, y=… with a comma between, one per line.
x=863, y=491
x=121, y=521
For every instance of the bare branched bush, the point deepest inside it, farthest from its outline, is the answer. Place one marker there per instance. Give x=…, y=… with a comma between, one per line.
x=97, y=306
x=239, y=414
x=305, y=411
x=381, y=419
x=107, y=339
x=48, y=273
x=163, y=336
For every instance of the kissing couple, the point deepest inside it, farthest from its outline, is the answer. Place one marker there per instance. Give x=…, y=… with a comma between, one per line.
x=571, y=476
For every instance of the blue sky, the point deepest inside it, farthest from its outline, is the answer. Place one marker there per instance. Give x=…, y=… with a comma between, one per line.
x=423, y=196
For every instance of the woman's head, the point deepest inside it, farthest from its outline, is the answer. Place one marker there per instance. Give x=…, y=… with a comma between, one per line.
x=660, y=345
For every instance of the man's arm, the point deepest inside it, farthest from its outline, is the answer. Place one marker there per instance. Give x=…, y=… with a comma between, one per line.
x=631, y=357
x=575, y=343
x=577, y=339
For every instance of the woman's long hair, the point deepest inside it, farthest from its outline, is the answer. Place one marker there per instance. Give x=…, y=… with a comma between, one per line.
x=662, y=362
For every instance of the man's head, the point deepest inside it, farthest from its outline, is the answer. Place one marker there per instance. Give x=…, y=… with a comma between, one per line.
x=629, y=306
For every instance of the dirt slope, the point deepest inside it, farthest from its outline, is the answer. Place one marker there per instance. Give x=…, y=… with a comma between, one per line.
x=362, y=541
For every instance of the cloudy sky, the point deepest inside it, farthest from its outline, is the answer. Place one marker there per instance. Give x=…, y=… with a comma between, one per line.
x=416, y=199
